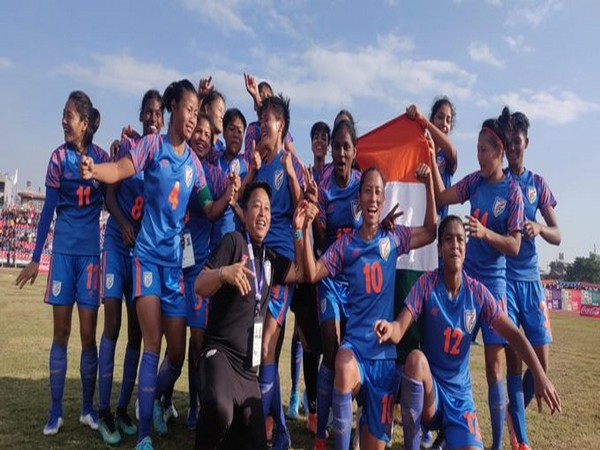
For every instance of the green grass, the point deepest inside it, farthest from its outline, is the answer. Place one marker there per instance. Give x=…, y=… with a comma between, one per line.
x=25, y=338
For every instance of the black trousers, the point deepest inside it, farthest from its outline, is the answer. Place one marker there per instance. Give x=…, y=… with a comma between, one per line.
x=231, y=414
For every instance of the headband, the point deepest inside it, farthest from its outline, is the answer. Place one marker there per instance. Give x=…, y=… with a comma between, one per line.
x=494, y=135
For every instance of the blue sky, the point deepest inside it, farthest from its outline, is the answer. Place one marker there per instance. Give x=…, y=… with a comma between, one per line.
x=373, y=58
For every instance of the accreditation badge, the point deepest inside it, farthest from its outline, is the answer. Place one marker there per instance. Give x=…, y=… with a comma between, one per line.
x=257, y=341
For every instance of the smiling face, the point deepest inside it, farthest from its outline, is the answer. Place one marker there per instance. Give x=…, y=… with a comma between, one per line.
x=452, y=245
x=442, y=119
x=185, y=115
x=216, y=112
x=200, y=142
x=319, y=144
x=74, y=126
x=371, y=197
x=516, y=150
x=271, y=129
x=234, y=136
x=489, y=155
x=258, y=215
x=343, y=153
x=151, y=117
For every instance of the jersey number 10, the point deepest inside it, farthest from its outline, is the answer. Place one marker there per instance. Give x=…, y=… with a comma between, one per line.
x=373, y=278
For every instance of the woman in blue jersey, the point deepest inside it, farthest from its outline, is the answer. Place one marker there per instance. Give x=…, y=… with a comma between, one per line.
x=440, y=124
x=339, y=211
x=172, y=175
x=125, y=202
x=367, y=258
x=436, y=384
x=494, y=225
x=75, y=265
x=524, y=294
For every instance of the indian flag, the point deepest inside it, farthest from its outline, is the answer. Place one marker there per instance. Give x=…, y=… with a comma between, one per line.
x=396, y=148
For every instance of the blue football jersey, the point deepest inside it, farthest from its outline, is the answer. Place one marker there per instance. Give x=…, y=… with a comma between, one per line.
x=280, y=235
x=536, y=196
x=130, y=198
x=217, y=181
x=446, y=172
x=449, y=324
x=499, y=207
x=77, y=227
x=169, y=182
x=370, y=268
x=338, y=207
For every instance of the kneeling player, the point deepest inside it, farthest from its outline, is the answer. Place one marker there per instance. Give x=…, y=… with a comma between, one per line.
x=436, y=386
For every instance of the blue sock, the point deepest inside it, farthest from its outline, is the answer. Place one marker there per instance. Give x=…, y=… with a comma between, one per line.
x=324, y=394
x=497, y=404
x=58, y=371
x=167, y=376
x=296, y=363
x=342, y=419
x=106, y=366
x=277, y=407
x=146, y=391
x=528, y=388
x=411, y=399
x=516, y=410
x=130, y=368
x=266, y=381
x=88, y=371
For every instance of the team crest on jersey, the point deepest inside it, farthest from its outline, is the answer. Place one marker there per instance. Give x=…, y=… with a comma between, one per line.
x=531, y=194
x=189, y=174
x=278, y=179
x=147, y=279
x=499, y=206
x=356, y=212
x=234, y=167
x=56, y=287
x=384, y=248
x=267, y=271
x=470, y=317
x=110, y=280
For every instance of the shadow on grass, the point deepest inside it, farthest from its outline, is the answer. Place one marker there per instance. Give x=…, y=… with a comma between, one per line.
x=24, y=411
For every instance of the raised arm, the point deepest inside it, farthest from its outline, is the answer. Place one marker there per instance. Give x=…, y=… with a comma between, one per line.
x=507, y=244
x=107, y=173
x=423, y=235
x=314, y=271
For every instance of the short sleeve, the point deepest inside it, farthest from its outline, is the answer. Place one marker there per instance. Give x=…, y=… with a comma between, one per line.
x=516, y=208
x=418, y=294
x=466, y=186
x=546, y=198
x=490, y=311
x=333, y=257
x=299, y=172
x=54, y=172
x=401, y=238
x=223, y=254
x=142, y=154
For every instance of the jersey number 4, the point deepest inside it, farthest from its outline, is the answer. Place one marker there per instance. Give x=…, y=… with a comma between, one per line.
x=174, y=196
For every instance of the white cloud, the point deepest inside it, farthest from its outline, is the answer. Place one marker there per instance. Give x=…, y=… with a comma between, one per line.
x=533, y=12
x=224, y=12
x=494, y=2
x=480, y=52
x=517, y=43
x=6, y=63
x=122, y=73
x=554, y=108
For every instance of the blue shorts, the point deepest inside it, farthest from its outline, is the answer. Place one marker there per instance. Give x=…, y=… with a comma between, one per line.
x=456, y=417
x=73, y=278
x=196, y=307
x=163, y=282
x=490, y=336
x=279, y=301
x=116, y=276
x=527, y=308
x=332, y=295
x=379, y=383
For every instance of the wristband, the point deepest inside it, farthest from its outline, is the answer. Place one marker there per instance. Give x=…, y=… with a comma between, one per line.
x=298, y=235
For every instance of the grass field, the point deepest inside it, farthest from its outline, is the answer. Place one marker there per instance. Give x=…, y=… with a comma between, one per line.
x=25, y=338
